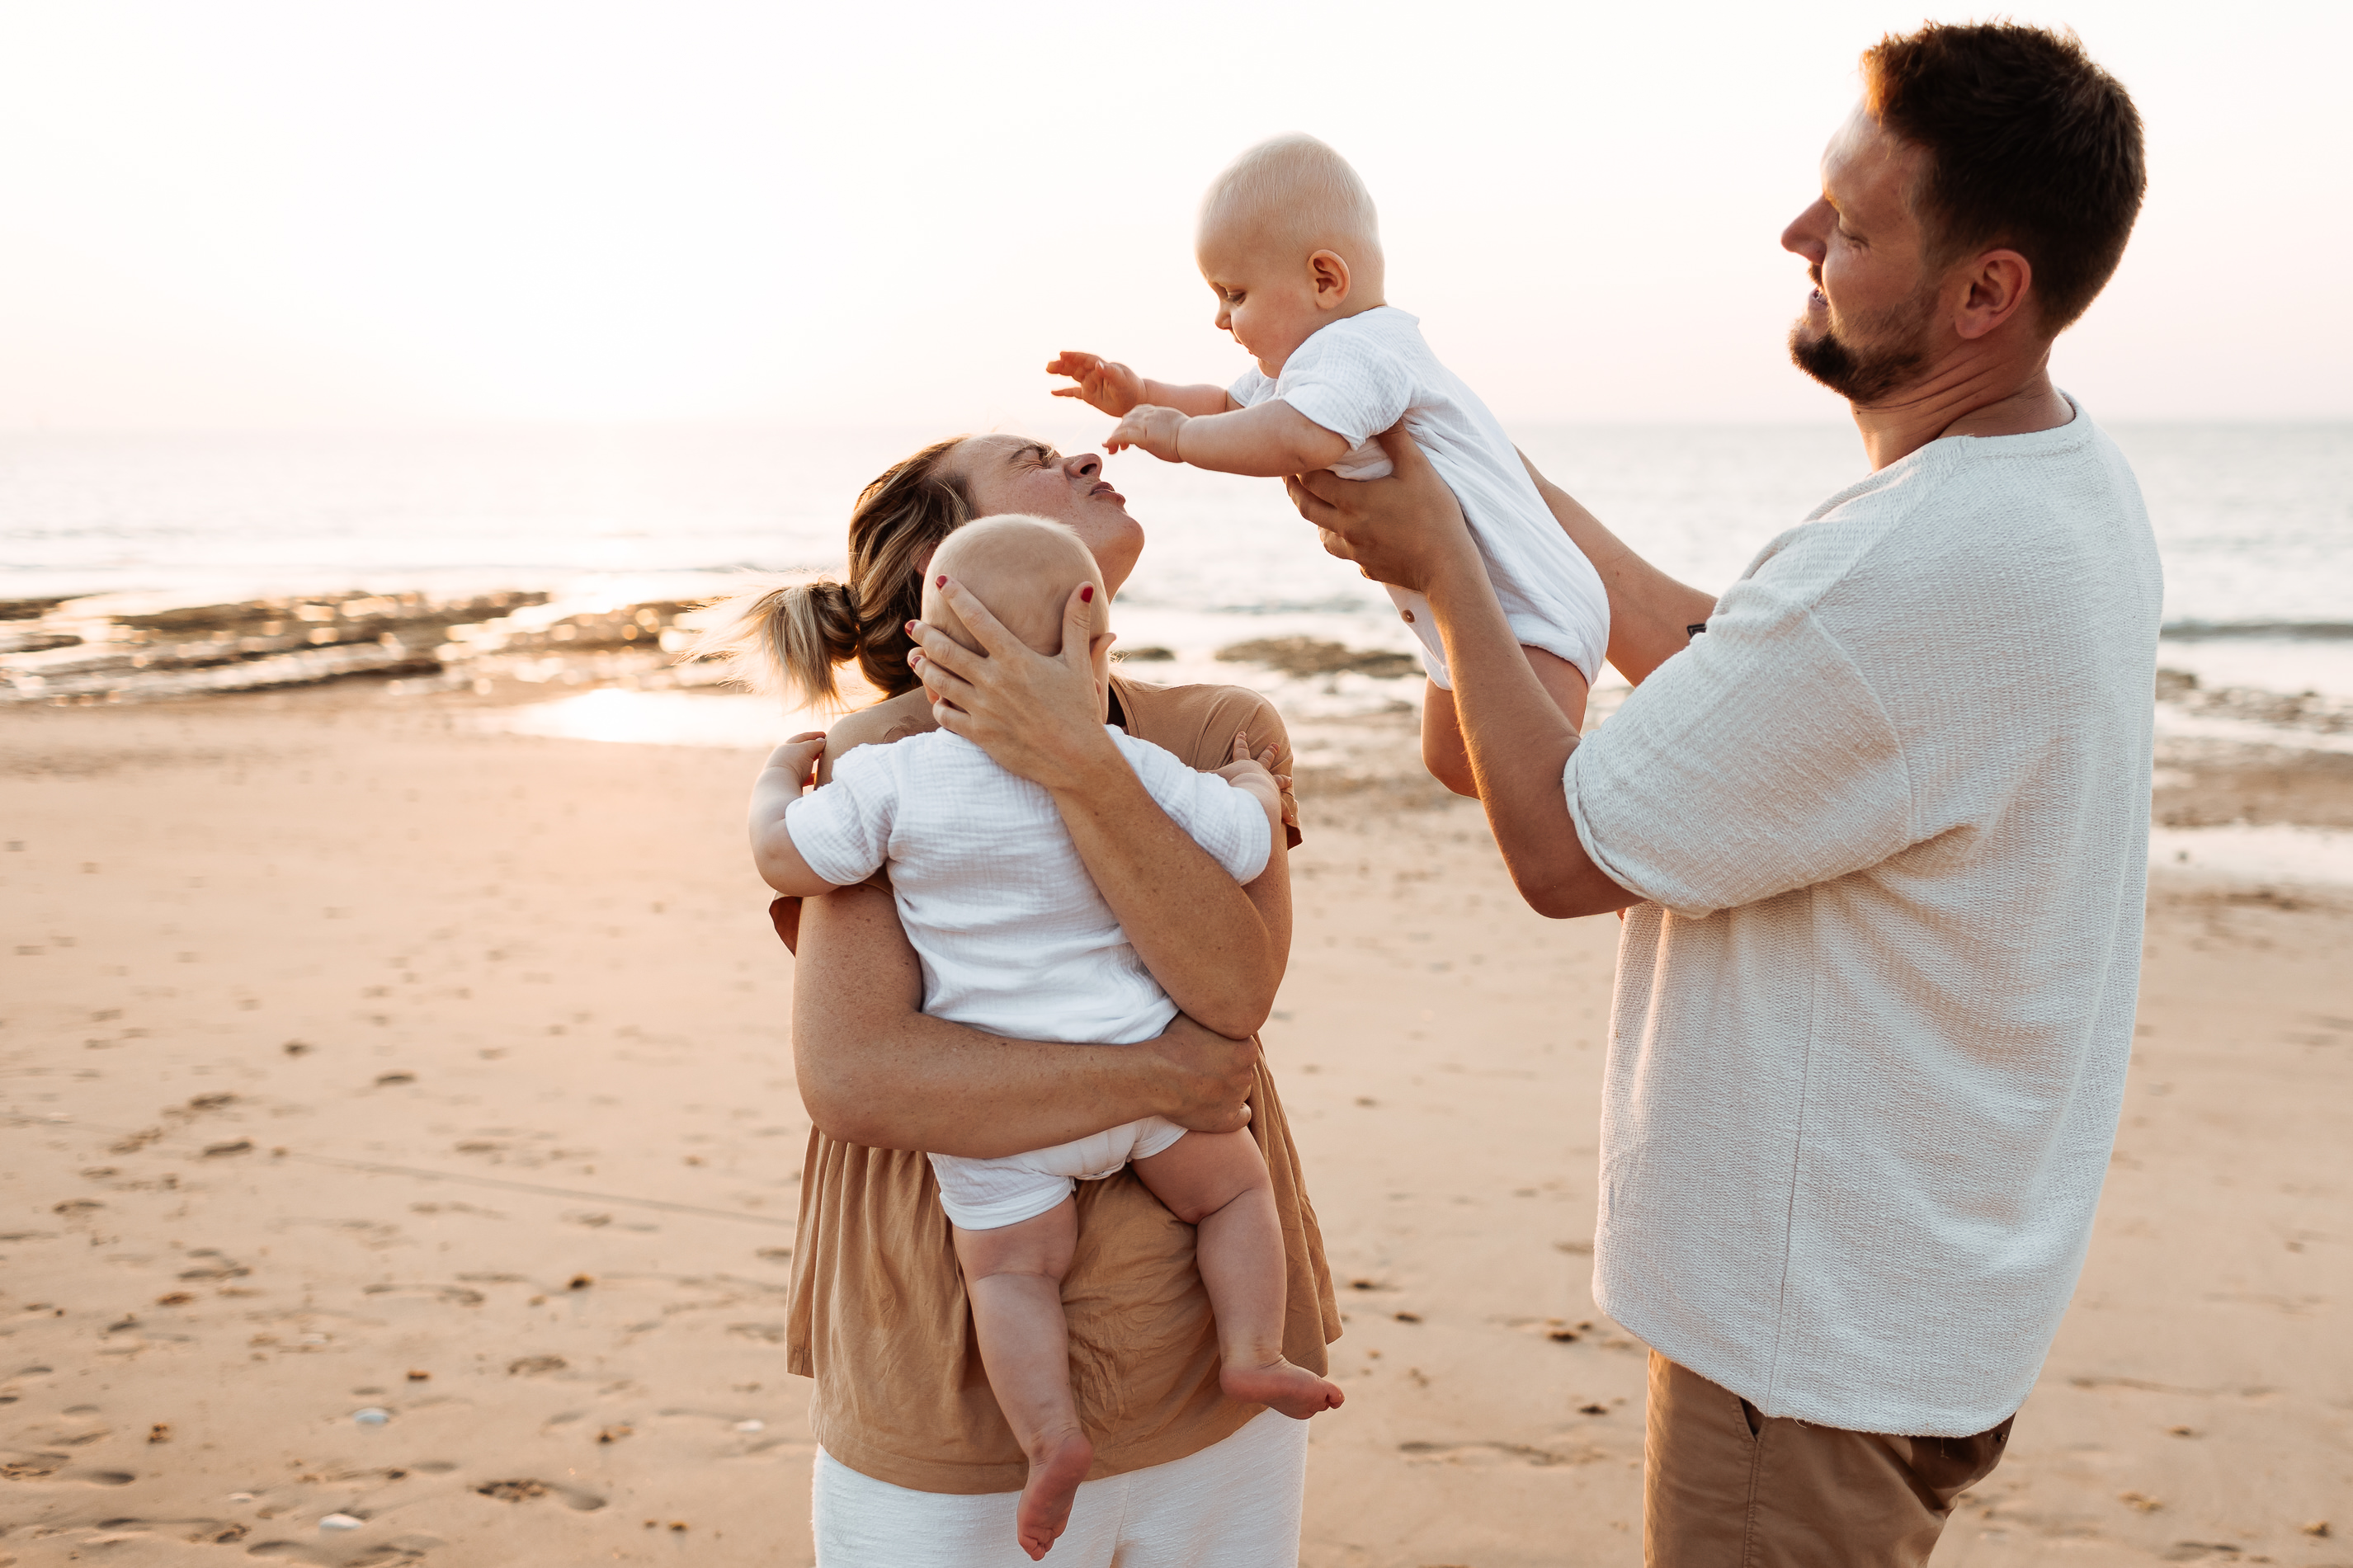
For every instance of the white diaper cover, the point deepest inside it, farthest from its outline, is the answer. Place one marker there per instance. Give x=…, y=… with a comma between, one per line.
x=989, y=1195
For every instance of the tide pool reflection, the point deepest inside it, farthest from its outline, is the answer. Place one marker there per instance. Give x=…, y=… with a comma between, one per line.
x=725, y=720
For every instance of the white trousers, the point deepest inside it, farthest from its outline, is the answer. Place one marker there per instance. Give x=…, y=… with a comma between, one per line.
x=1235, y=1504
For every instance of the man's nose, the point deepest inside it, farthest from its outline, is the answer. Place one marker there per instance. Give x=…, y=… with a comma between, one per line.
x=1804, y=234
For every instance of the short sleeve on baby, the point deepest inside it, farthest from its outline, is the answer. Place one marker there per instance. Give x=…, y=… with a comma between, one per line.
x=1223, y=819
x=843, y=828
x=1350, y=378
x=1250, y=388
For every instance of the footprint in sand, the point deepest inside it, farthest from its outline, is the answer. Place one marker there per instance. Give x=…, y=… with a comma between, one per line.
x=400, y=1549
x=526, y=1490
x=39, y=1465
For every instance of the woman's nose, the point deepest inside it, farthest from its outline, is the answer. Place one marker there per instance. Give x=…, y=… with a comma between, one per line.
x=1085, y=466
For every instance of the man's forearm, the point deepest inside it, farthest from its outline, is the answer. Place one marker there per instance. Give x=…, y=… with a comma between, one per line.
x=1519, y=744
x=1218, y=953
x=1651, y=613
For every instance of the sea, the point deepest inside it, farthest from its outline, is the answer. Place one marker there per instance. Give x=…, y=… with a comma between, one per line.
x=2255, y=523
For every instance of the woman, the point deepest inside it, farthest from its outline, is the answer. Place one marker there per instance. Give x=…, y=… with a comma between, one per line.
x=917, y=1467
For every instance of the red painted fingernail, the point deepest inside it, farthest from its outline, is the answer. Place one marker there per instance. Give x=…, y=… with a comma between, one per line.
x=940, y=581
x=1086, y=593
x=912, y=626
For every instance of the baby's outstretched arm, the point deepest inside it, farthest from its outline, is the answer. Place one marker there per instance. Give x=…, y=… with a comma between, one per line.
x=1270, y=440
x=778, y=785
x=1114, y=388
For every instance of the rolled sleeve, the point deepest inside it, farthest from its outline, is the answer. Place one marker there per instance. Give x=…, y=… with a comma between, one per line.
x=1755, y=761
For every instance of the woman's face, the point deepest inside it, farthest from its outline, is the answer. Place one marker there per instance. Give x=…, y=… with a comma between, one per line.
x=1013, y=473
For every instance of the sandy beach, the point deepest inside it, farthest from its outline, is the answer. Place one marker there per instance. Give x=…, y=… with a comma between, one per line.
x=401, y=1154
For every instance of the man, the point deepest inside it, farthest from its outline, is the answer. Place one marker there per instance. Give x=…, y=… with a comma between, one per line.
x=1877, y=817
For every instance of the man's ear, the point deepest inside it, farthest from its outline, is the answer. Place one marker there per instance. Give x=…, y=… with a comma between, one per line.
x=1997, y=285
x=1329, y=271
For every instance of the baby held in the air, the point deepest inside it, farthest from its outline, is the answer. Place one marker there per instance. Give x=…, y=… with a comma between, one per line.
x=1290, y=243
x=1015, y=939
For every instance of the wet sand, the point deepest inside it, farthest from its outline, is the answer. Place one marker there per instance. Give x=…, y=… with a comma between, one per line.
x=352, y=1060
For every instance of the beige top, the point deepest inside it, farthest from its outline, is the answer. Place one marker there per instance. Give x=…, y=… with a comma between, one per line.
x=878, y=1313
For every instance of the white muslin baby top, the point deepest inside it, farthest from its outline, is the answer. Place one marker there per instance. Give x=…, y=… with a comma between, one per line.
x=1357, y=377
x=1868, y=1047
x=1011, y=933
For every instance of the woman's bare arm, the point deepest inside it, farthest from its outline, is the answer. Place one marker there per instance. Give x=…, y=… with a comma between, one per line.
x=875, y=1071
x=1216, y=949
x=1651, y=613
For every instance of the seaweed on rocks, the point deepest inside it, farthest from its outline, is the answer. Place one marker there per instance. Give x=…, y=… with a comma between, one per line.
x=1305, y=656
x=191, y=649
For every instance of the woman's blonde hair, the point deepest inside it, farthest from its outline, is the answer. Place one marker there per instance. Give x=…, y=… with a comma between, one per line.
x=785, y=639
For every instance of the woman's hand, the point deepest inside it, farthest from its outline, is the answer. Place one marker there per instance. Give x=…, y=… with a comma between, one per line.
x=1038, y=716
x=1105, y=384
x=1210, y=1074
x=1405, y=531
x=1217, y=948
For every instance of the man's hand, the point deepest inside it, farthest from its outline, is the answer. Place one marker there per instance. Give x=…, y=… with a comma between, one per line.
x=1151, y=427
x=1104, y=384
x=1406, y=531
x=1212, y=1077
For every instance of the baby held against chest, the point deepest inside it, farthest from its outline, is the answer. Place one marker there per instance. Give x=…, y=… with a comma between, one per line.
x=1013, y=937
x=1290, y=243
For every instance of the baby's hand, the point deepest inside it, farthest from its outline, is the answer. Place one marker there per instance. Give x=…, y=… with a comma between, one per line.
x=1151, y=427
x=1104, y=384
x=1253, y=775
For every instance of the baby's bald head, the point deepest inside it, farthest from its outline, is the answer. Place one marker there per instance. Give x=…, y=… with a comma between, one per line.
x=1024, y=569
x=1297, y=196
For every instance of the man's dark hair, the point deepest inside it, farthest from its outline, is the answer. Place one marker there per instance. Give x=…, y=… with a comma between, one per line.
x=2030, y=145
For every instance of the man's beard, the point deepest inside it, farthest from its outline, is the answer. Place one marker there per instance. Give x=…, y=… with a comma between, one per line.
x=1864, y=374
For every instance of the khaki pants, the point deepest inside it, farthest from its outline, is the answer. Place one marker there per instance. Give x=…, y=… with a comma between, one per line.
x=1726, y=1487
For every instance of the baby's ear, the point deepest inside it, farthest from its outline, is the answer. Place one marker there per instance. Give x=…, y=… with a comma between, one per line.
x=1329, y=270
x=1099, y=642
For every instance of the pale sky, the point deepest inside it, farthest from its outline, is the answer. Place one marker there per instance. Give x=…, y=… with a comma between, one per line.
x=257, y=214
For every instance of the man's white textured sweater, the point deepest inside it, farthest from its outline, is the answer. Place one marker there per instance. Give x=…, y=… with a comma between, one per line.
x=1868, y=1047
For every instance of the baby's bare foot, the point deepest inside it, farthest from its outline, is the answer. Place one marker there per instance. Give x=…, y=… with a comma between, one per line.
x=1293, y=1390
x=1055, y=1472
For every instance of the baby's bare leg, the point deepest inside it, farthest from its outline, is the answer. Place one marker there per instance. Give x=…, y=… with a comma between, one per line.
x=1443, y=750
x=1217, y=1182
x=1014, y=1277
